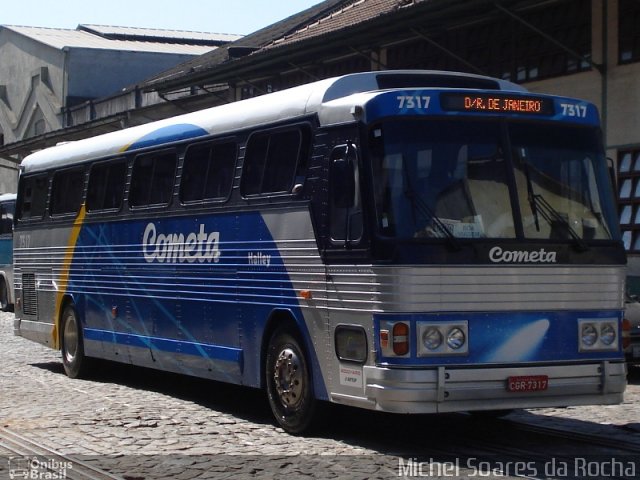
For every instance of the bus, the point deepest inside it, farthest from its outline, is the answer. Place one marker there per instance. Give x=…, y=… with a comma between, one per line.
x=403, y=241
x=7, y=209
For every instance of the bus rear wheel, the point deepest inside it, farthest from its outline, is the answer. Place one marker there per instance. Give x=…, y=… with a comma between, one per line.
x=289, y=384
x=76, y=364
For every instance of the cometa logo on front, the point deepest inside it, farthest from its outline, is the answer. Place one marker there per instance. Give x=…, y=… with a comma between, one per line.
x=498, y=255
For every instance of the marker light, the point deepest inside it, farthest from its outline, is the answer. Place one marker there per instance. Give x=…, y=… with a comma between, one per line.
x=384, y=339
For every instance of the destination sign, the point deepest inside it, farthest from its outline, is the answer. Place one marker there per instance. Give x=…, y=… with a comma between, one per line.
x=496, y=103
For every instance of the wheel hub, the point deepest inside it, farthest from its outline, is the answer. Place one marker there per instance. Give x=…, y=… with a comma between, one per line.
x=287, y=377
x=70, y=339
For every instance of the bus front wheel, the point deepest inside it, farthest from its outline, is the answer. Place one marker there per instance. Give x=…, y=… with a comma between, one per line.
x=76, y=364
x=289, y=385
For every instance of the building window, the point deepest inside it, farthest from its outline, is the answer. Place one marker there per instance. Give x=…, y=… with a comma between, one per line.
x=506, y=48
x=629, y=198
x=628, y=31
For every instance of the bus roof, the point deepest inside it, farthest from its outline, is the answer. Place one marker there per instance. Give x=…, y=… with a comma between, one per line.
x=286, y=104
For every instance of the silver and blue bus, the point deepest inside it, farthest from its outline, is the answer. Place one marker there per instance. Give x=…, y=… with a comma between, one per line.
x=403, y=241
x=7, y=209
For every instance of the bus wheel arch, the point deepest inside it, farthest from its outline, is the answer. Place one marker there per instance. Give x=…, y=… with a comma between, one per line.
x=287, y=373
x=6, y=302
x=76, y=363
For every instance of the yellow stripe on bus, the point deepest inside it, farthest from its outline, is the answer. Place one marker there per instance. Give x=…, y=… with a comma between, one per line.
x=64, y=275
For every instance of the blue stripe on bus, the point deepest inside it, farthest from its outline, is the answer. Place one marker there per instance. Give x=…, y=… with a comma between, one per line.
x=164, y=135
x=214, y=352
x=193, y=294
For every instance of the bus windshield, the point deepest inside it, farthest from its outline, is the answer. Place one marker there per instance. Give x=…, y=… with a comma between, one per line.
x=487, y=179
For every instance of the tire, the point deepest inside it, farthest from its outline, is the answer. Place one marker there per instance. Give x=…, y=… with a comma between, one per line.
x=289, y=383
x=76, y=364
x=5, y=306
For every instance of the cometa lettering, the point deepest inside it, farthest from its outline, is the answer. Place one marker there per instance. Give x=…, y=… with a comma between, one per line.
x=199, y=246
x=498, y=255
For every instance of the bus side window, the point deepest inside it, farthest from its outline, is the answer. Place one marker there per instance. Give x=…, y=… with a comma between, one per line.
x=106, y=185
x=6, y=216
x=274, y=161
x=344, y=195
x=33, y=197
x=207, y=172
x=152, y=179
x=66, y=191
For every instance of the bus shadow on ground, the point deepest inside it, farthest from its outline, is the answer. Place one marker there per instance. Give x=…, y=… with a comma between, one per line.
x=243, y=402
x=384, y=433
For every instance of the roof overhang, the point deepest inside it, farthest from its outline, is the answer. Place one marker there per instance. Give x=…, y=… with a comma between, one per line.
x=429, y=15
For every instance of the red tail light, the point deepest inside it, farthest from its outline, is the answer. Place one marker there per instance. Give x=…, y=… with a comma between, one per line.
x=400, y=338
x=626, y=329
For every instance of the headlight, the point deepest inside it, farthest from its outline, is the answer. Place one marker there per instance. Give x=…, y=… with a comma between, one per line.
x=432, y=338
x=456, y=338
x=598, y=335
x=607, y=334
x=443, y=338
x=589, y=335
x=351, y=343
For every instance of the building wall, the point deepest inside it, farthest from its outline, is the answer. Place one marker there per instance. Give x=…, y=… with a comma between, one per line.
x=38, y=83
x=98, y=73
x=8, y=177
x=32, y=75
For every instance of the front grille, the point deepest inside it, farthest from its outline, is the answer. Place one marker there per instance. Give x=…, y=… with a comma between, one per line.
x=29, y=295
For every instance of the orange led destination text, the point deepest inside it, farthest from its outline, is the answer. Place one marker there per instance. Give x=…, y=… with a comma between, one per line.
x=501, y=104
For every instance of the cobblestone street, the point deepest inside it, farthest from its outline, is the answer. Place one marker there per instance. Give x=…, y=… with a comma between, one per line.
x=143, y=424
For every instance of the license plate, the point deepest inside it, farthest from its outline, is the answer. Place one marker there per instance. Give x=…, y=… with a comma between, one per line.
x=529, y=383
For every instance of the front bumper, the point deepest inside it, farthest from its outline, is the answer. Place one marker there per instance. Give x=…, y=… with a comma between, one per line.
x=451, y=389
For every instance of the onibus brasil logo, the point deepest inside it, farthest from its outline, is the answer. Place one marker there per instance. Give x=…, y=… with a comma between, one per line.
x=34, y=468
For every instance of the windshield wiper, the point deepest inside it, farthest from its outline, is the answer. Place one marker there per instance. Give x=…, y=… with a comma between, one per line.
x=531, y=196
x=550, y=214
x=539, y=204
x=425, y=210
